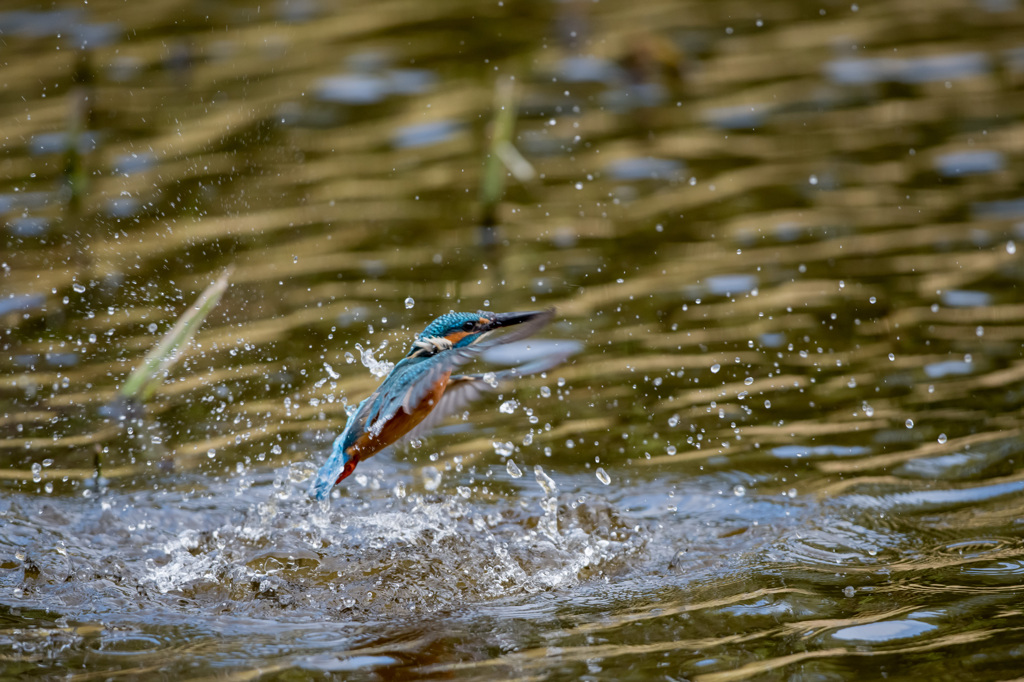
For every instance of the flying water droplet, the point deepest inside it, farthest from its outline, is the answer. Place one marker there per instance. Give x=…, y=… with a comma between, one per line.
x=545, y=481
x=79, y=288
x=942, y=438
x=377, y=367
x=508, y=407
x=37, y=472
x=431, y=478
x=409, y=303
x=513, y=470
x=503, y=448
x=739, y=490
x=715, y=368
x=603, y=476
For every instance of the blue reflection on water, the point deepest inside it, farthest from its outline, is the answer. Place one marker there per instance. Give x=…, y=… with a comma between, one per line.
x=884, y=631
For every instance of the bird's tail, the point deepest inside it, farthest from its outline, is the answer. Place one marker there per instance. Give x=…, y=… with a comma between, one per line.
x=338, y=466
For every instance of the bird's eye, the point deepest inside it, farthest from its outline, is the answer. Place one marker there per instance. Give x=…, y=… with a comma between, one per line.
x=468, y=326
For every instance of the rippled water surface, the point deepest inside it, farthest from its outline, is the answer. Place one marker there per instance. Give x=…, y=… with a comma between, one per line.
x=784, y=236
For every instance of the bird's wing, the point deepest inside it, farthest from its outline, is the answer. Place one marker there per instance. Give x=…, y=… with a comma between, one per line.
x=393, y=394
x=465, y=388
x=462, y=390
x=443, y=364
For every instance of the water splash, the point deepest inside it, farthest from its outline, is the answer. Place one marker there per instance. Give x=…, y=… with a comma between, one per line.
x=379, y=368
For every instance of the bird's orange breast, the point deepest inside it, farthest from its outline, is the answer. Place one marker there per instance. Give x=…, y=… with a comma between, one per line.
x=400, y=424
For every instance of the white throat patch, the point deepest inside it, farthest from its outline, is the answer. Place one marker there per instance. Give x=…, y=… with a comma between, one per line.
x=433, y=343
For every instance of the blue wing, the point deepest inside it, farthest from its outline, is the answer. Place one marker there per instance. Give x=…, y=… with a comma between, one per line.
x=433, y=368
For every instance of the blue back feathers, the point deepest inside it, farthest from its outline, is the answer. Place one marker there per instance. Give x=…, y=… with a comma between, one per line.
x=447, y=323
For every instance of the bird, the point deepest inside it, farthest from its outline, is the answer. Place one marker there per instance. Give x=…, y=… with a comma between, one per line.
x=421, y=390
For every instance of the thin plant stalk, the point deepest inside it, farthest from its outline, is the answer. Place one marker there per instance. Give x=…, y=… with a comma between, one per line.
x=143, y=382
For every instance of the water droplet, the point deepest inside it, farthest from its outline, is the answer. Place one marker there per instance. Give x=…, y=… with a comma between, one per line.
x=715, y=368
x=37, y=472
x=979, y=331
x=603, y=476
x=409, y=303
x=1011, y=248
x=80, y=288
x=748, y=381
x=463, y=492
x=849, y=590
x=508, y=407
x=739, y=490
x=673, y=420
x=942, y=438
x=545, y=392
x=513, y=470
x=813, y=180
x=545, y=481
x=909, y=423
x=431, y=478
x=378, y=368
x=503, y=448
x=892, y=357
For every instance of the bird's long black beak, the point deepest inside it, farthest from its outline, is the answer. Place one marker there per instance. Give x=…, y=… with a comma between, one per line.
x=499, y=320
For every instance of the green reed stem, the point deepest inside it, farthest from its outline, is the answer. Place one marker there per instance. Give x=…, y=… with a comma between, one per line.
x=158, y=362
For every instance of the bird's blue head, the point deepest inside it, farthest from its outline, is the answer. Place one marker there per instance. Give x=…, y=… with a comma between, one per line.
x=457, y=330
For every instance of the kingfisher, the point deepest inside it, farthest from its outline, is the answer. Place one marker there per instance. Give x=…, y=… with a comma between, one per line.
x=421, y=390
